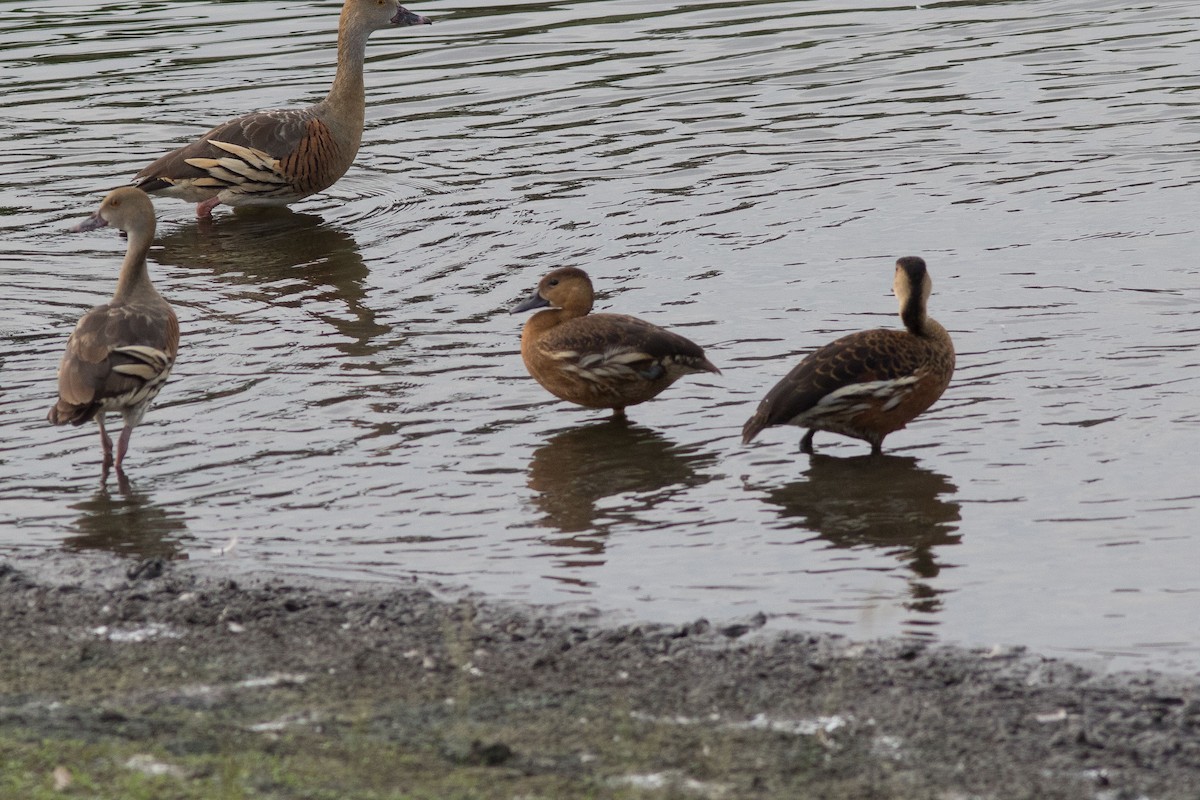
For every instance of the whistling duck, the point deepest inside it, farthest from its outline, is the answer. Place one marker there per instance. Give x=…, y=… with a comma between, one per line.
x=871, y=383
x=120, y=353
x=599, y=360
x=279, y=157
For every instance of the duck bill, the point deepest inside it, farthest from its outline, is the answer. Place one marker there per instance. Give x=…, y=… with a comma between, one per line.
x=404, y=18
x=90, y=224
x=535, y=300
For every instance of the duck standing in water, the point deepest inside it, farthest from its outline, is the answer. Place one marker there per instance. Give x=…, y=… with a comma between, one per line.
x=279, y=157
x=120, y=353
x=599, y=360
x=871, y=383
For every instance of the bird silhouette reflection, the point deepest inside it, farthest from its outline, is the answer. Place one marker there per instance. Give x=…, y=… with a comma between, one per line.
x=270, y=249
x=886, y=502
x=127, y=524
x=633, y=467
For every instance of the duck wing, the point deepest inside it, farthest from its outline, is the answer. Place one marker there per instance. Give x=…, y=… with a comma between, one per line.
x=867, y=363
x=118, y=353
x=243, y=150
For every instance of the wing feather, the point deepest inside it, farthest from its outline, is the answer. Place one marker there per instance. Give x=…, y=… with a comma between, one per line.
x=620, y=345
x=859, y=363
x=116, y=352
x=265, y=136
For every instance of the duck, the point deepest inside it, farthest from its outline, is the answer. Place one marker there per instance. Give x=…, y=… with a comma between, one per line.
x=279, y=157
x=120, y=353
x=599, y=360
x=871, y=383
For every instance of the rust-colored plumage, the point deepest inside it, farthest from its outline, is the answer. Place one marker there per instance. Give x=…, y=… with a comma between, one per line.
x=120, y=353
x=279, y=157
x=871, y=383
x=599, y=360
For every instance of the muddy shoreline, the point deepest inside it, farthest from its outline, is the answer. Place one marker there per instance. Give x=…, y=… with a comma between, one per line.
x=117, y=675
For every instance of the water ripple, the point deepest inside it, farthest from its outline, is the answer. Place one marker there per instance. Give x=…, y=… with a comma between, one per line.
x=349, y=397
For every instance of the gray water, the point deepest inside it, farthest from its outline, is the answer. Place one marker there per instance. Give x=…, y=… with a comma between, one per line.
x=349, y=399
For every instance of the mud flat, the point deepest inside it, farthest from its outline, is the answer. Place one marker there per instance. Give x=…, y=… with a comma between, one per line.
x=157, y=680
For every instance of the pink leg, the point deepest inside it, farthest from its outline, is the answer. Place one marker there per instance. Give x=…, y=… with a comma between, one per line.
x=123, y=445
x=204, y=210
x=105, y=442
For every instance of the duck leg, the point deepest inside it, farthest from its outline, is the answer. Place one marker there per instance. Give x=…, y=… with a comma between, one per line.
x=123, y=445
x=204, y=210
x=123, y=484
x=105, y=442
x=806, y=444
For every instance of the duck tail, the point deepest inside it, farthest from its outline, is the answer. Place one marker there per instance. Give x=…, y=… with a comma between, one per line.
x=753, y=426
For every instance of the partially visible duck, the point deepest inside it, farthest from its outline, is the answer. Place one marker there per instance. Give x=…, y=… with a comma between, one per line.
x=871, y=383
x=120, y=353
x=279, y=157
x=599, y=360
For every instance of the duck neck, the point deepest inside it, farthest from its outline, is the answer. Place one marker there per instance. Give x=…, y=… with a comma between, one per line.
x=346, y=100
x=927, y=328
x=913, y=315
x=134, y=280
x=543, y=321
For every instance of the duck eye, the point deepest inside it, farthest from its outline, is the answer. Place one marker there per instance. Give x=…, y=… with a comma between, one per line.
x=554, y=282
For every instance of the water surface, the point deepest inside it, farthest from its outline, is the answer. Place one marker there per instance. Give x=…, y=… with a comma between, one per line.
x=349, y=399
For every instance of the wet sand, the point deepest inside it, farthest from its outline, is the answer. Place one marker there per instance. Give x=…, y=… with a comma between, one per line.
x=124, y=679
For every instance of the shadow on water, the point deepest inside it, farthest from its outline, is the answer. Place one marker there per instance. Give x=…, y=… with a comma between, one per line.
x=886, y=502
x=578, y=469
x=128, y=524
x=265, y=248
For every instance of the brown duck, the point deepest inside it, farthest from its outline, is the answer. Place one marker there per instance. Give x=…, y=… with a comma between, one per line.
x=279, y=157
x=120, y=353
x=599, y=360
x=871, y=383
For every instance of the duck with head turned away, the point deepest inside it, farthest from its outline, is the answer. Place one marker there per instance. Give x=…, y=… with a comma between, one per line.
x=279, y=157
x=871, y=383
x=599, y=360
x=120, y=353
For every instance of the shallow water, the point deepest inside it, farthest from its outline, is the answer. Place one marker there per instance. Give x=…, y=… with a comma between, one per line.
x=349, y=398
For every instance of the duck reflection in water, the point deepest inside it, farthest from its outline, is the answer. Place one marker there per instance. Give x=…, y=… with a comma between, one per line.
x=882, y=501
x=577, y=470
x=128, y=525
x=300, y=258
